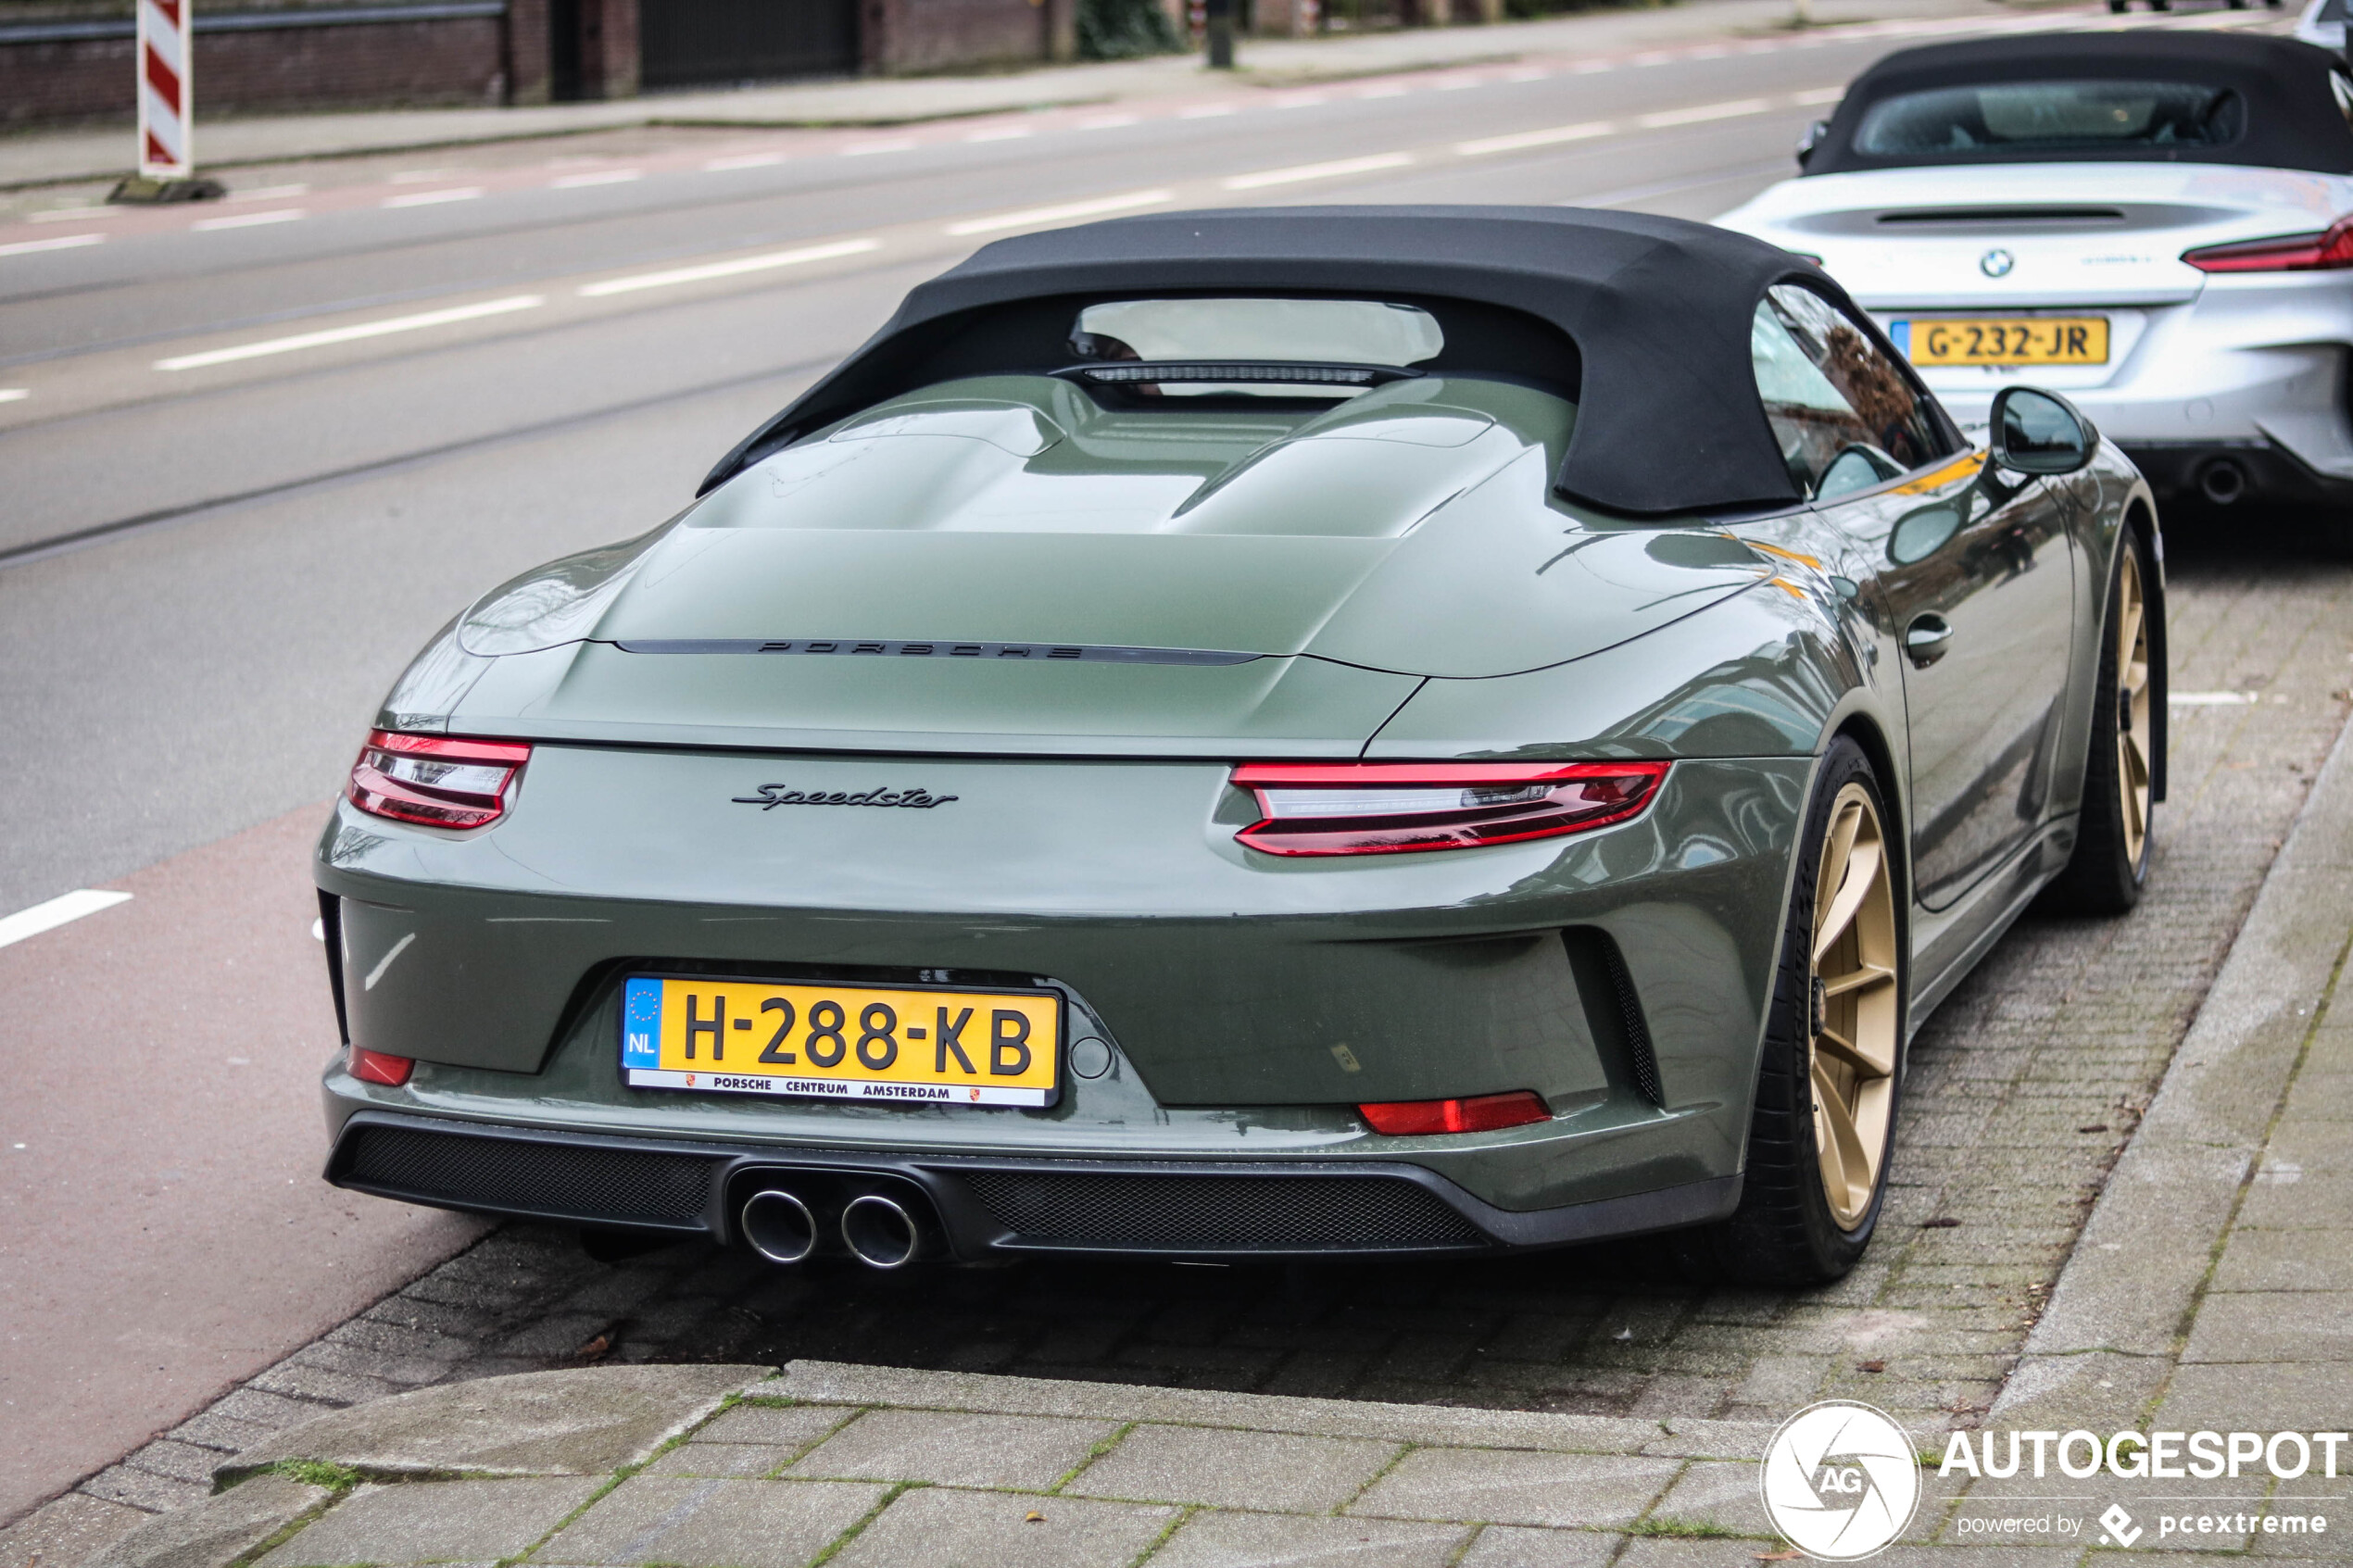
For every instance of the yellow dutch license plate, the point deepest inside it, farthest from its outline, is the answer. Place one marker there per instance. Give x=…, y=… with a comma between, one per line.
x=842, y=1042
x=2005, y=339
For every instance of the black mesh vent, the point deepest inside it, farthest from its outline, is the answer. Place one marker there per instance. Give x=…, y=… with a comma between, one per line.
x=1218, y=1214
x=616, y=1185
x=1639, y=1054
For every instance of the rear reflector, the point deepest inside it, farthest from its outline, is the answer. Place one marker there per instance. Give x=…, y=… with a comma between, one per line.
x=1387, y=807
x=1482, y=1113
x=435, y=780
x=2328, y=251
x=374, y=1067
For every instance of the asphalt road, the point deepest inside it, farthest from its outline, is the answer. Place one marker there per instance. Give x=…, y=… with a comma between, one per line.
x=264, y=449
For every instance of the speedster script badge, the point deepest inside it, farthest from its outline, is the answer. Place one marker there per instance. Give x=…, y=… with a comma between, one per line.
x=771, y=796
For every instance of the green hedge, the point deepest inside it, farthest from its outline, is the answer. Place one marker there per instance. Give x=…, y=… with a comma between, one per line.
x=1120, y=29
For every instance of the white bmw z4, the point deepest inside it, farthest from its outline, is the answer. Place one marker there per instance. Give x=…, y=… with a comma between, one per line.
x=2158, y=225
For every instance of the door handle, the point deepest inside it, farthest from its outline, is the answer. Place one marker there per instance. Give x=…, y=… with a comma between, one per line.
x=1927, y=639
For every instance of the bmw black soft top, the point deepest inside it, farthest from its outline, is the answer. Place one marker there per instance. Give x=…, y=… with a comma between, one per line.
x=1643, y=320
x=2287, y=113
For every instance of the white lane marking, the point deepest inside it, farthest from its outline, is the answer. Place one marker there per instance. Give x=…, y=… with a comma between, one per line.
x=1456, y=84
x=1204, y=111
x=1062, y=213
x=2212, y=699
x=1589, y=68
x=1108, y=121
x=1387, y=90
x=1303, y=101
x=385, y=962
x=63, y=242
x=250, y=220
x=15, y=394
x=597, y=177
x=270, y=193
x=62, y=909
x=735, y=268
x=352, y=334
x=72, y=214
x=1701, y=113
x=420, y=176
x=1526, y=73
x=1521, y=139
x=429, y=198
x=743, y=160
x=1003, y=133
x=860, y=149
x=1299, y=172
x=1654, y=58
x=1813, y=95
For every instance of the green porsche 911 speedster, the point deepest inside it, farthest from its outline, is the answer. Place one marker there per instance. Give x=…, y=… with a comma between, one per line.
x=1411, y=731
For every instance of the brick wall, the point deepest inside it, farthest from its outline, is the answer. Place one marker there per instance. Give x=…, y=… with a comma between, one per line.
x=444, y=60
x=906, y=36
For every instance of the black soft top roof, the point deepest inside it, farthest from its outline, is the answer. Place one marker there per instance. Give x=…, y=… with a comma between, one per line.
x=2292, y=120
x=1657, y=311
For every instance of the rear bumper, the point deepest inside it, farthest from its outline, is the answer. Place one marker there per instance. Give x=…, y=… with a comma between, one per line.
x=985, y=1207
x=2231, y=472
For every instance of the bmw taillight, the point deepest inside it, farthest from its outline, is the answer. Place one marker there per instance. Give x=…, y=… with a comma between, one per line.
x=435, y=780
x=1389, y=807
x=1481, y=1113
x=2328, y=251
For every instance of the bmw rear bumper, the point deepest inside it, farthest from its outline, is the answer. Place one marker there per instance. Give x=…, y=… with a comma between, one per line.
x=984, y=1206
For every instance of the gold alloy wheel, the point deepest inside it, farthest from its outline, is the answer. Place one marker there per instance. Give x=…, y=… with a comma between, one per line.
x=2132, y=705
x=1851, y=1057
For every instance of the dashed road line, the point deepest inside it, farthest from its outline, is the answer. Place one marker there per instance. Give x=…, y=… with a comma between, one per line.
x=864, y=150
x=1063, y=213
x=353, y=333
x=744, y=160
x=15, y=394
x=433, y=198
x=63, y=242
x=1304, y=171
x=250, y=220
x=1700, y=114
x=61, y=910
x=734, y=269
x=1520, y=139
x=74, y=214
x=595, y=177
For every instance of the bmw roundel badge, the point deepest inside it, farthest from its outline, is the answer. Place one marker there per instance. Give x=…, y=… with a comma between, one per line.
x=1996, y=263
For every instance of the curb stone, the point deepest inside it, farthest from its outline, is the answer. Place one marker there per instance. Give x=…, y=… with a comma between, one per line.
x=2121, y=1312
x=578, y=1421
x=221, y=1528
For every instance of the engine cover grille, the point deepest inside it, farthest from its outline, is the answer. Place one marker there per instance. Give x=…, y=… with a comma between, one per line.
x=1214, y=1212
x=516, y=1176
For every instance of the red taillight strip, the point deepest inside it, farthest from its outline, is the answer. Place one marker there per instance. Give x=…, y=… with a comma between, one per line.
x=1481, y=1113
x=1577, y=796
x=380, y=795
x=2328, y=251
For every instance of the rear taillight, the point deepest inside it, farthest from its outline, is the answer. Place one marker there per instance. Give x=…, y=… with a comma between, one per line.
x=375, y=1067
x=2325, y=252
x=1387, y=807
x=434, y=780
x=1482, y=1113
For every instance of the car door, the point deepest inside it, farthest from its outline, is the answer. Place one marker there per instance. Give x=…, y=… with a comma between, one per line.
x=1973, y=572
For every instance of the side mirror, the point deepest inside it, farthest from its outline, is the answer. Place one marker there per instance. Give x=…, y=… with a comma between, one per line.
x=1811, y=140
x=2040, y=433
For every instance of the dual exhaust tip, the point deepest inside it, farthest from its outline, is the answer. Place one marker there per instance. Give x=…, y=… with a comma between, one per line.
x=880, y=1232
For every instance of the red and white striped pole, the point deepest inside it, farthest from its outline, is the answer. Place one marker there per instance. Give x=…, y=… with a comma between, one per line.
x=166, y=108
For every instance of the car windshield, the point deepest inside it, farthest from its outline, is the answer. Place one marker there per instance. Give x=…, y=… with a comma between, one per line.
x=2051, y=117
x=1257, y=332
